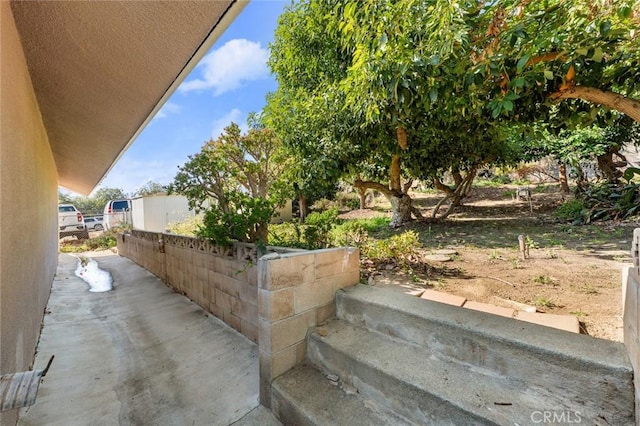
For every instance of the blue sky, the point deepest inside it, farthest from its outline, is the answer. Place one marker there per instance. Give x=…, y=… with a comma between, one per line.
x=230, y=82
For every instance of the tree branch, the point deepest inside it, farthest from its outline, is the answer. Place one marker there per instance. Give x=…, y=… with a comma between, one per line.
x=611, y=100
x=360, y=184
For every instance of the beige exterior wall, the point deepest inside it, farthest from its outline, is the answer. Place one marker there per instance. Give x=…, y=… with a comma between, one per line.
x=28, y=209
x=631, y=308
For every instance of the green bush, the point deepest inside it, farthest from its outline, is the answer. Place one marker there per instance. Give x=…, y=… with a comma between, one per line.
x=317, y=228
x=350, y=233
x=104, y=241
x=348, y=200
x=313, y=234
x=398, y=248
x=246, y=220
x=286, y=234
x=187, y=227
x=569, y=211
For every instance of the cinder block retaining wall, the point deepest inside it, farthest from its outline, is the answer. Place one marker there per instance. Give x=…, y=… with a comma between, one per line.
x=297, y=292
x=630, y=306
x=224, y=281
x=273, y=301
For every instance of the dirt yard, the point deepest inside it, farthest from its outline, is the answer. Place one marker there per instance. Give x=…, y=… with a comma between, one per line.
x=572, y=270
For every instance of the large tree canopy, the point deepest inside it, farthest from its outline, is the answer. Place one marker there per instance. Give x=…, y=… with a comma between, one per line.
x=361, y=90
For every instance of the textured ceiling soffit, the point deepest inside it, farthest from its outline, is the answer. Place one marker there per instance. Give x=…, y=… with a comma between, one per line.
x=100, y=68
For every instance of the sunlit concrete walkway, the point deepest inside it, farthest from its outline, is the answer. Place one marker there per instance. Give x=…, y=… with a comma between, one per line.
x=140, y=355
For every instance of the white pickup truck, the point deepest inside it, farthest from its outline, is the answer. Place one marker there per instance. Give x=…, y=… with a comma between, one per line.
x=71, y=222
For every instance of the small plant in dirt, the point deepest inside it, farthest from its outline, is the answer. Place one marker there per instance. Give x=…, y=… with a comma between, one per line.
x=529, y=243
x=543, y=302
x=579, y=313
x=546, y=280
x=587, y=289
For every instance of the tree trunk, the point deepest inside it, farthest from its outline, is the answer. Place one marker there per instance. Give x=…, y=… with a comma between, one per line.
x=608, y=168
x=362, y=194
x=401, y=209
x=303, y=207
x=401, y=204
x=394, y=174
x=261, y=233
x=628, y=106
x=564, y=183
x=581, y=181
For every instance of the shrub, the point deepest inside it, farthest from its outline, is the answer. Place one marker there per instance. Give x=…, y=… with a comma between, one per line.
x=398, y=248
x=187, y=227
x=246, y=220
x=348, y=200
x=569, y=211
x=350, y=233
x=286, y=234
x=318, y=227
x=104, y=241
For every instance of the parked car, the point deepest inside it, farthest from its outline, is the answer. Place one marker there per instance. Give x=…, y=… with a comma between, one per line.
x=117, y=213
x=71, y=222
x=94, y=223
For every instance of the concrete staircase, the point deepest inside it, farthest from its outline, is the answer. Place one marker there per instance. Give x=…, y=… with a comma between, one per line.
x=402, y=360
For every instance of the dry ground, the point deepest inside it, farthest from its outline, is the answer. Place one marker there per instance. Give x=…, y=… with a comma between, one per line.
x=572, y=270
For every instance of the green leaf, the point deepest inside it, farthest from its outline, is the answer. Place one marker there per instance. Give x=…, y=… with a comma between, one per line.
x=630, y=173
x=582, y=52
x=605, y=26
x=624, y=12
x=383, y=41
x=433, y=94
x=598, y=54
x=548, y=75
x=522, y=62
x=507, y=105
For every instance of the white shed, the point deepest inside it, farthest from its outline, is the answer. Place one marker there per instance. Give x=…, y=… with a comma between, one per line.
x=154, y=212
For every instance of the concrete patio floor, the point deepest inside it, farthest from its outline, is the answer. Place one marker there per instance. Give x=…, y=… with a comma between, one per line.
x=140, y=355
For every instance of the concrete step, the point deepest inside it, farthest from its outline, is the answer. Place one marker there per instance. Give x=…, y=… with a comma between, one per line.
x=571, y=371
x=304, y=396
x=408, y=380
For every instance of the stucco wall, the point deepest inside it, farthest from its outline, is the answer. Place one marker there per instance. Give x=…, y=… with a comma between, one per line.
x=28, y=209
x=630, y=313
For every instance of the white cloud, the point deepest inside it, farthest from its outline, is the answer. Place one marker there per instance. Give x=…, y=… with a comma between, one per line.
x=226, y=68
x=234, y=115
x=130, y=174
x=167, y=109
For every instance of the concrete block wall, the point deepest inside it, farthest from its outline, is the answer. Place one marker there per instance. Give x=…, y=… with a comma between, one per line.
x=223, y=281
x=297, y=292
x=273, y=300
x=630, y=318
